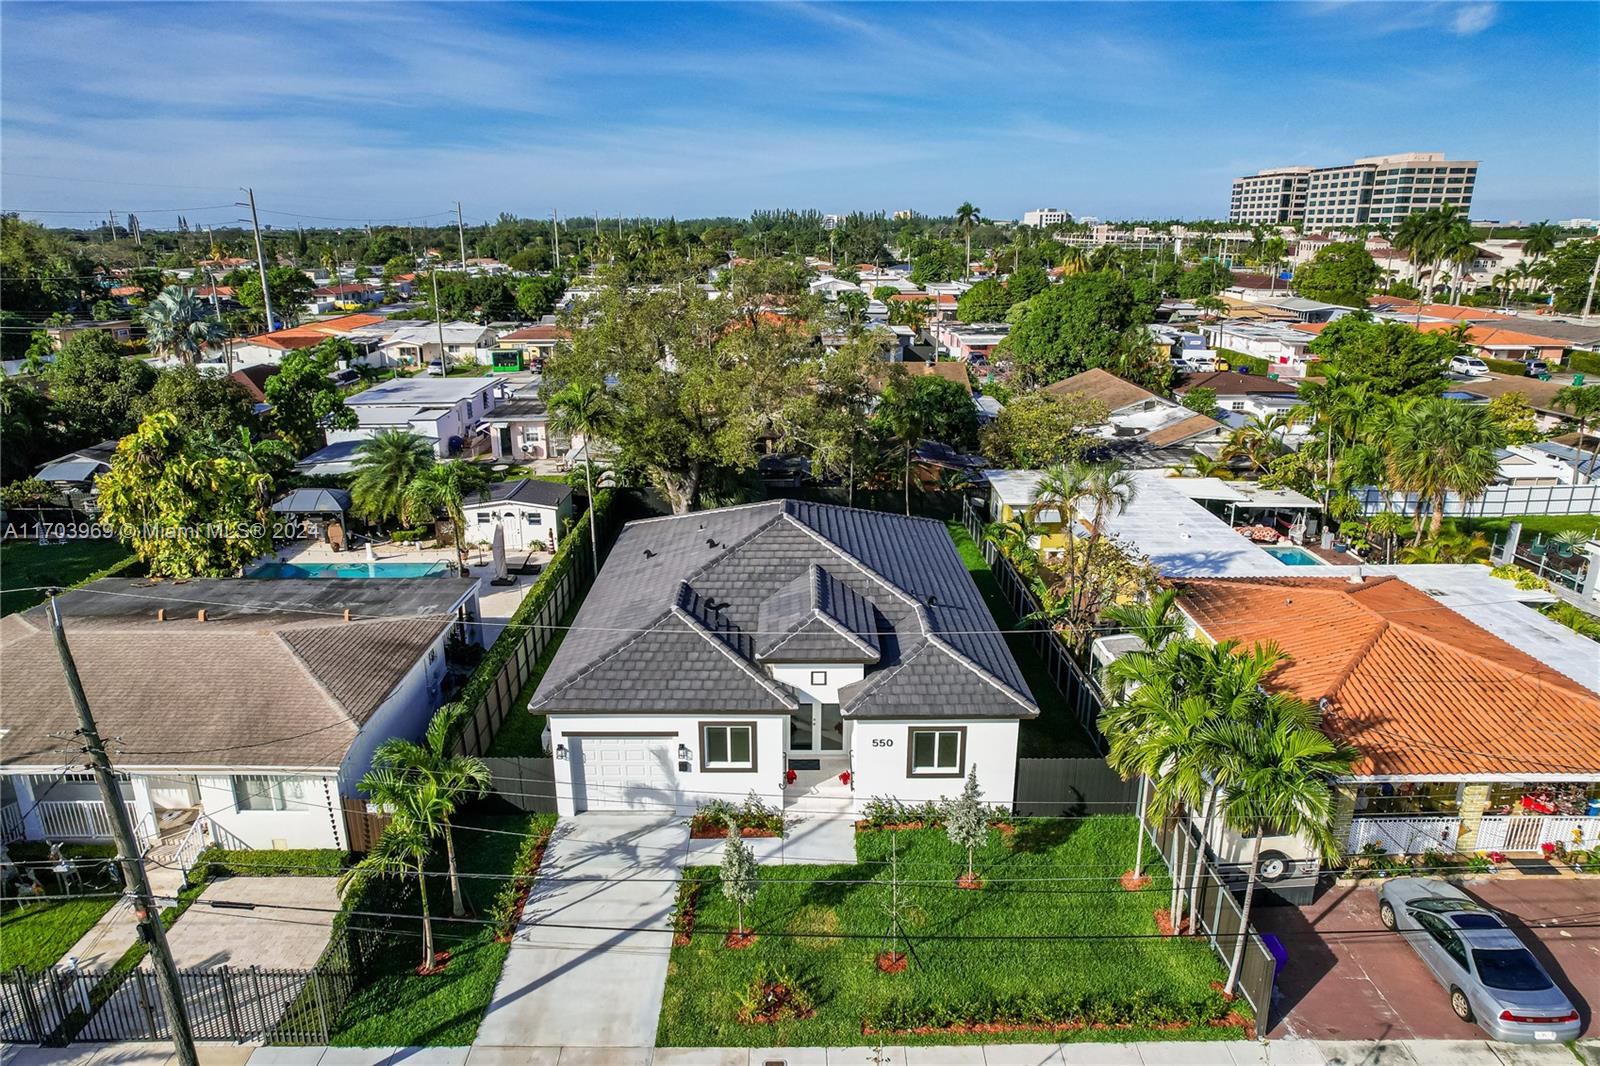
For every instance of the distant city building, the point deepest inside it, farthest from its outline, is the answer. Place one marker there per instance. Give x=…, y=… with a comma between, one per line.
x=1579, y=223
x=1040, y=217
x=1373, y=190
x=832, y=221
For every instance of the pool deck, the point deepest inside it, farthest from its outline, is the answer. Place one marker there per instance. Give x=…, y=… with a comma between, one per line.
x=496, y=604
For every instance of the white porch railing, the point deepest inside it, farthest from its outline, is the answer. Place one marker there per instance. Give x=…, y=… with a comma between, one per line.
x=1413, y=835
x=84, y=820
x=11, y=827
x=1526, y=832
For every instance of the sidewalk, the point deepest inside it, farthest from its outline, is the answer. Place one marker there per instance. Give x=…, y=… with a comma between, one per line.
x=1175, y=1053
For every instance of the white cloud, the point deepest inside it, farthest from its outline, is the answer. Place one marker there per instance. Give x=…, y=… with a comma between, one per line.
x=1471, y=18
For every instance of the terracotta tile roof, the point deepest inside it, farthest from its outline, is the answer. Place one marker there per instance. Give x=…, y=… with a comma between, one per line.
x=535, y=333
x=253, y=379
x=1493, y=336
x=312, y=333
x=1418, y=688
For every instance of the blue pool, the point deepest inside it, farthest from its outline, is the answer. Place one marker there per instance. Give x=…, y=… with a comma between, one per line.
x=279, y=571
x=1289, y=555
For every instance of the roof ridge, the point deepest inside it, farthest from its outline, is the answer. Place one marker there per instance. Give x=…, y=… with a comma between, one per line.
x=311, y=675
x=595, y=664
x=722, y=646
x=1544, y=675
x=963, y=659
x=1357, y=657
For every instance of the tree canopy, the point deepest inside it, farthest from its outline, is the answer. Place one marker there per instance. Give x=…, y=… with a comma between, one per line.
x=1075, y=326
x=1390, y=358
x=987, y=301
x=1343, y=273
x=289, y=288
x=95, y=387
x=1041, y=428
x=304, y=399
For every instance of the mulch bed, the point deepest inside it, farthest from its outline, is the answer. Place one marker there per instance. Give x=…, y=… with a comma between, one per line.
x=1164, y=924
x=683, y=922
x=720, y=832
x=863, y=826
x=1135, y=884
x=1232, y=1021
x=505, y=934
x=971, y=882
x=738, y=940
x=780, y=1007
x=891, y=961
x=441, y=959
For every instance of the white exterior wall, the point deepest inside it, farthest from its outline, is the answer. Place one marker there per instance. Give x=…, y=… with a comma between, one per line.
x=693, y=785
x=547, y=532
x=879, y=750
x=316, y=822
x=404, y=714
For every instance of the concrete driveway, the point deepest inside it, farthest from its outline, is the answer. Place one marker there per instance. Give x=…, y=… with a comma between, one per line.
x=1360, y=982
x=589, y=959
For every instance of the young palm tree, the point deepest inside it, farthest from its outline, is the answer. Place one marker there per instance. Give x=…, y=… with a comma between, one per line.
x=453, y=778
x=401, y=851
x=1583, y=402
x=967, y=217
x=1259, y=440
x=584, y=408
x=177, y=323
x=1386, y=524
x=443, y=487
x=1276, y=773
x=1439, y=446
x=385, y=466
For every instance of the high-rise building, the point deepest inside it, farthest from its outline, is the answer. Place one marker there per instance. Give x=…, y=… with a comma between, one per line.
x=1046, y=216
x=1377, y=189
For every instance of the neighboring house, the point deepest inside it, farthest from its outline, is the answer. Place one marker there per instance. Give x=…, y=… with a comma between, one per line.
x=1257, y=287
x=536, y=343
x=253, y=379
x=1285, y=347
x=1137, y=416
x=1299, y=309
x=830, y=287
x=967, y=342
x=720, y=650
x=448, y=412
x=76, y=471
x=534, y=514
x=1241, y=397
x=121, y=329
x=334, y=297
x=272, y=347
x=1527, y=465
x=417, y=343
x=1466, y=706
x=252, y=707
x=519, y=432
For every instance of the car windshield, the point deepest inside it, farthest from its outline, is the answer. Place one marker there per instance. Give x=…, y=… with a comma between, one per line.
x=1512, y=969
x=1441, y=906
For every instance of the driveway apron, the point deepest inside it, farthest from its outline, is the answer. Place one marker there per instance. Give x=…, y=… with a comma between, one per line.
x=589, y=959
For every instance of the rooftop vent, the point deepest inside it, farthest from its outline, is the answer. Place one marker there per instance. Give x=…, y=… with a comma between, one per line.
x=648, y=554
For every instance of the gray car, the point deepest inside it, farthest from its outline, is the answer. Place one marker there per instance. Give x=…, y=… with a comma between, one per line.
x=1492, y=978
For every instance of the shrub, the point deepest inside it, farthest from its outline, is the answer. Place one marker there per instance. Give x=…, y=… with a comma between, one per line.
x=717, y=814
x=508, y=899
x=1139, y=1006
x=301, y=862
x=1524, y=579
x=38, y=851
x=775, y=993
x=1514, y=367
x=1254, y=364
x=1587, y=362
x=880, y=811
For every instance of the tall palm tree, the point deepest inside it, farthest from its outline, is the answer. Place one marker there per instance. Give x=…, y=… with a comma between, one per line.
x=968, y=217
x=449, y=778
x=1276, y=772
x=1583, y=402
x=385, y=465
x=400, y=851
x=179, y=324
x=1439, y=446
x=584, y=408
x=443, y=487
x=1540, y=240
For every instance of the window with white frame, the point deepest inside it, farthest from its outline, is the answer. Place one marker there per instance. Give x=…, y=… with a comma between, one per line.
x=936, y=752
x=534, y=518
x=260, y=792
x=728, y=747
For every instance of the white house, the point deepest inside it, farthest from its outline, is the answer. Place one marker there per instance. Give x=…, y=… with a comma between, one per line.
x=446, y=411
x=417, y=343
x=534, y=514
x=248, y=709
x=804, y=652
x=1286, y=348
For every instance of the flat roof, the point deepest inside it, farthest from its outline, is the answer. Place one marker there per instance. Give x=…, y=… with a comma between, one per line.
x=416, y=392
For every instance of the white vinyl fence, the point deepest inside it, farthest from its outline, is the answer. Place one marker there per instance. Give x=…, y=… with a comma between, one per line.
x=1498, y=501
x=1415, y=835
x=1526, y=832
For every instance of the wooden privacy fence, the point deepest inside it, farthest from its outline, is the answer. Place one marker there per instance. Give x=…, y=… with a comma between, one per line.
x=64, y=1004
x=1081, y=693
x=527, y=784
x=493, y=691
x=1051, y=787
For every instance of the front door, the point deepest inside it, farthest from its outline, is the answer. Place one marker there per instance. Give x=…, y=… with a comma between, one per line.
x=505, y=444
x=816, y=727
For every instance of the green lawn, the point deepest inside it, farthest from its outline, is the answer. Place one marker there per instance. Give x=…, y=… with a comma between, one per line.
x=826, y=932
x=393, y=1006
x=1548, y=524
x=26, y=564
x=523, y=733
x=34, y=935
x=1056, y=732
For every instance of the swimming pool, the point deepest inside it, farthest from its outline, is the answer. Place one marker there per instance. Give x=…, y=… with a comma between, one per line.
x=281, y=571
x=1289, y=555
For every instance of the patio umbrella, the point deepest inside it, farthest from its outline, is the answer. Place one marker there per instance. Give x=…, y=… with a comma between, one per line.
x=498, y=549
x=372, y=556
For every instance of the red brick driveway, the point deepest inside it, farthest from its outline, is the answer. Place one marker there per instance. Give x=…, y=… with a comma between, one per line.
x=1347, y=978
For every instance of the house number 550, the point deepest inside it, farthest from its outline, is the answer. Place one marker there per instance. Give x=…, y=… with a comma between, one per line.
x=882, y=742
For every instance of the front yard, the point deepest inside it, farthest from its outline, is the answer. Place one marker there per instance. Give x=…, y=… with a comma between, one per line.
x=27, y=564
x=36, y=933
x=392, y=1005
x=1052, y=937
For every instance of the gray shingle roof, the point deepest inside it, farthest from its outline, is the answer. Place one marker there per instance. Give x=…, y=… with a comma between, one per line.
x=894, y=584
x=524, y=490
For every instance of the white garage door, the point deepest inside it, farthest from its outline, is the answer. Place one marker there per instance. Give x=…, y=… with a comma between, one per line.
x=623, y=773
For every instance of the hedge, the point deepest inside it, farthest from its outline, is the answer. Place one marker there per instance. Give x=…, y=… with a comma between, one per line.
x=1585, y=362
x=1139, y=1006
x=1252, y=363
x=294, y=862
x=39, y=851
x=1514, y=367
x=577, y=539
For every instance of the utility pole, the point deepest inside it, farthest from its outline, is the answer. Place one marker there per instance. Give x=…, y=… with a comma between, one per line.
x=555, y=225
x=461, y=231
x=444, y=362
x=261, y=259
x=1594, y=275
x=133, y=875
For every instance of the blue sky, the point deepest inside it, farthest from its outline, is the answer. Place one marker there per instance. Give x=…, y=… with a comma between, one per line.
x=368, y=112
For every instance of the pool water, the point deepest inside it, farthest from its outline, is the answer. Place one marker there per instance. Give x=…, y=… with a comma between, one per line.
x=281, y=571
x=1289, y=555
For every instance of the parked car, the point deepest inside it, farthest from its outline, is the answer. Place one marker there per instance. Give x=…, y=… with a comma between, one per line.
x=436, y=368
x=1468, y=364
x=1536, y=368
x=1492, y=977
